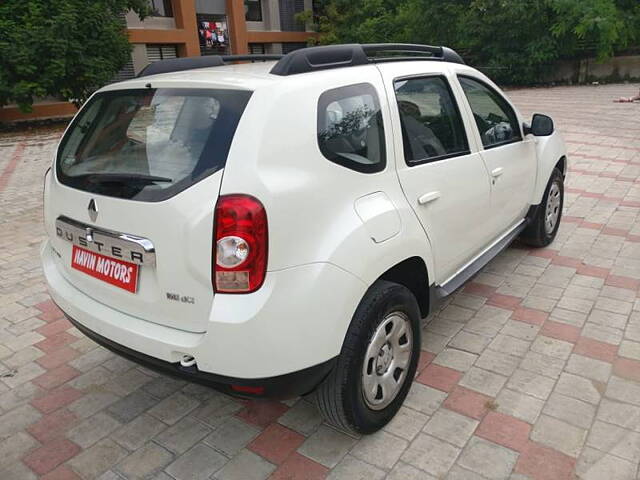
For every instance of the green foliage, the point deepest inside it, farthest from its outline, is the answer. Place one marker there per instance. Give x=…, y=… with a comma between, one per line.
x=515, y=41
x=61, y=48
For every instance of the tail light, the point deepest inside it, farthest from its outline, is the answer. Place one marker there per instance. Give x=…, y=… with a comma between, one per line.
x=240, y=250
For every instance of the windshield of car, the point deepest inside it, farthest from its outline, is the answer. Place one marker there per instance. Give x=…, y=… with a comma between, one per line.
x=149, y=144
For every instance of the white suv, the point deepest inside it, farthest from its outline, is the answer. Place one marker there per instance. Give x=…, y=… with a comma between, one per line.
x=279, y=228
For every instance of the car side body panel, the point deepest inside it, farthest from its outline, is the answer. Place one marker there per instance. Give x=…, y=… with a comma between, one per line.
x=550, y=150
x=290, y=175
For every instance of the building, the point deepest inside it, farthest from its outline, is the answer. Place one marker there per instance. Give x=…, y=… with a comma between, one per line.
x=184, y=28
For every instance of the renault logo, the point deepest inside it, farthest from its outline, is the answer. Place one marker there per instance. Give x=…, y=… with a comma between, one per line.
x=93, y=210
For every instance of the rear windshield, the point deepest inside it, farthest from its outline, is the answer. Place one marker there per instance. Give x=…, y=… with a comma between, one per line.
x=149, y=144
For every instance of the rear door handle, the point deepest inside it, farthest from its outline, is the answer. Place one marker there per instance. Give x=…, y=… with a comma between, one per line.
x=428, y=197
x=496, y=172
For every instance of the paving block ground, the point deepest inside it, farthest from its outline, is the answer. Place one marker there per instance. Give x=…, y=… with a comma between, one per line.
x=531, y=371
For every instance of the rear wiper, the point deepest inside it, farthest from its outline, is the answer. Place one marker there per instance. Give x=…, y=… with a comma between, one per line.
x=125, y=178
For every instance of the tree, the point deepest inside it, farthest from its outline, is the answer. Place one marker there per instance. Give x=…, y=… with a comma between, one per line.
x=516, y=41
x=61, y=48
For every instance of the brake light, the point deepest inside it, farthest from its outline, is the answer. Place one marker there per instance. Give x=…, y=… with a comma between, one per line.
x=240, y=249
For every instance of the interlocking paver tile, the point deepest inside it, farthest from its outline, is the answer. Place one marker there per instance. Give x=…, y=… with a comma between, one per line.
x=276, y=443
x=550, y=336
x=455, y=359
x=404, y=471
x=615, y=440
x=424, y=399
x=407, y=423
x=504, y=430
x=262, y=413
x=543, y=364
x=173, y=408
x=439, y=377
x=596, y=349
x=49, y=456
x=351, y=467
x=303, y=417
x=15, y=447
x=327, y=446
x=487, y=458
x=216, y=410
x=97, y=459
x=197, y=464
x=531, y=383
x=92, y=429
x=246, y=466
x=431, y=455
x=580, y=388
x=627, y=368
x=519, y=405
x=544, y=463
x=571, y=410
x=552, y=347
x=299, y=467
x=468, y=402
x=451, y=427
x=483, y=381
x=145, y=461
x=589, y=368
x=381, y=450
x=559, y=435
x=595, y=465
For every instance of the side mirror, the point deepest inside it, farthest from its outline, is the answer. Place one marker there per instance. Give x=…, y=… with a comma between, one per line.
x=541, y=125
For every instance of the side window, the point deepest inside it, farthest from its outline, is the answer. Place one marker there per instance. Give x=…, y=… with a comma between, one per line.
x=496, y=120
x=350, y=130
x=432, y=128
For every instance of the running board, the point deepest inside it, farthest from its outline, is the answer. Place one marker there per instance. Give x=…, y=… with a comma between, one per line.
x=476, y=265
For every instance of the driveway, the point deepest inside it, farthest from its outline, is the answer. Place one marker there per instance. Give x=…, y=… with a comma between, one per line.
x=531, y=371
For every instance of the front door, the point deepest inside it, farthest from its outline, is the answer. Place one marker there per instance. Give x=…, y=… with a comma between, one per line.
x=443, y=177
x=510, y=158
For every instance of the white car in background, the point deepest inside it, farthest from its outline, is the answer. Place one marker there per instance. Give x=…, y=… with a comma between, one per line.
x=279, y=228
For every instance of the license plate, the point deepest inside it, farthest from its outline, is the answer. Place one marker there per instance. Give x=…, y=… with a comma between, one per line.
x=110, y=270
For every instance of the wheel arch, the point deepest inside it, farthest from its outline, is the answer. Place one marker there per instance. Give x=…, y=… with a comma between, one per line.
x=413, y=274
x=562, y=166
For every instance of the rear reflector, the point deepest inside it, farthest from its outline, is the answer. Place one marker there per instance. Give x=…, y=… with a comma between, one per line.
x=241, y=242
x=250, y=390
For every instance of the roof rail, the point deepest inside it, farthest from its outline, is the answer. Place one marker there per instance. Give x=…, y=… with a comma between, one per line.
x=190, y=63
x=350, y=55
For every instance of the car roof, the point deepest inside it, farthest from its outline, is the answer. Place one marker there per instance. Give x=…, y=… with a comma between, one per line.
x=243, y=76
x=252, y=76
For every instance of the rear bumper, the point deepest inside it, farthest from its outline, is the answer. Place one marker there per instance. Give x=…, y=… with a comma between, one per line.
x=281, y=387
x=295, y=323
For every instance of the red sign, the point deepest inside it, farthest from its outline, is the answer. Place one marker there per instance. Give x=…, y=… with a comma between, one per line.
x=116, y=272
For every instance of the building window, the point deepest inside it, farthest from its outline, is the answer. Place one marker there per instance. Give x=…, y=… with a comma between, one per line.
x=161, y=8
x=161, y=52
x=213, y=34
x=288, y=11
x=253, y=10
x=257, y=48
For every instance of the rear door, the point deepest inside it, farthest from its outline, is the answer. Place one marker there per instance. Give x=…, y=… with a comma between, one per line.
x=510, y=158
x=136, y=182
x=442, y=174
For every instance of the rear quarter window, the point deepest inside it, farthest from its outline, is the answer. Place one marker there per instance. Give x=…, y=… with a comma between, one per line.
x=149, y=144
x=350, y=128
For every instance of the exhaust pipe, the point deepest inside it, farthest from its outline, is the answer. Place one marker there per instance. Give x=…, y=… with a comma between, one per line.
x=187, y=361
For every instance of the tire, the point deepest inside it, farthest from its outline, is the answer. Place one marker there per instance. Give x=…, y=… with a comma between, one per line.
x=539, y=233
x=385, y=309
